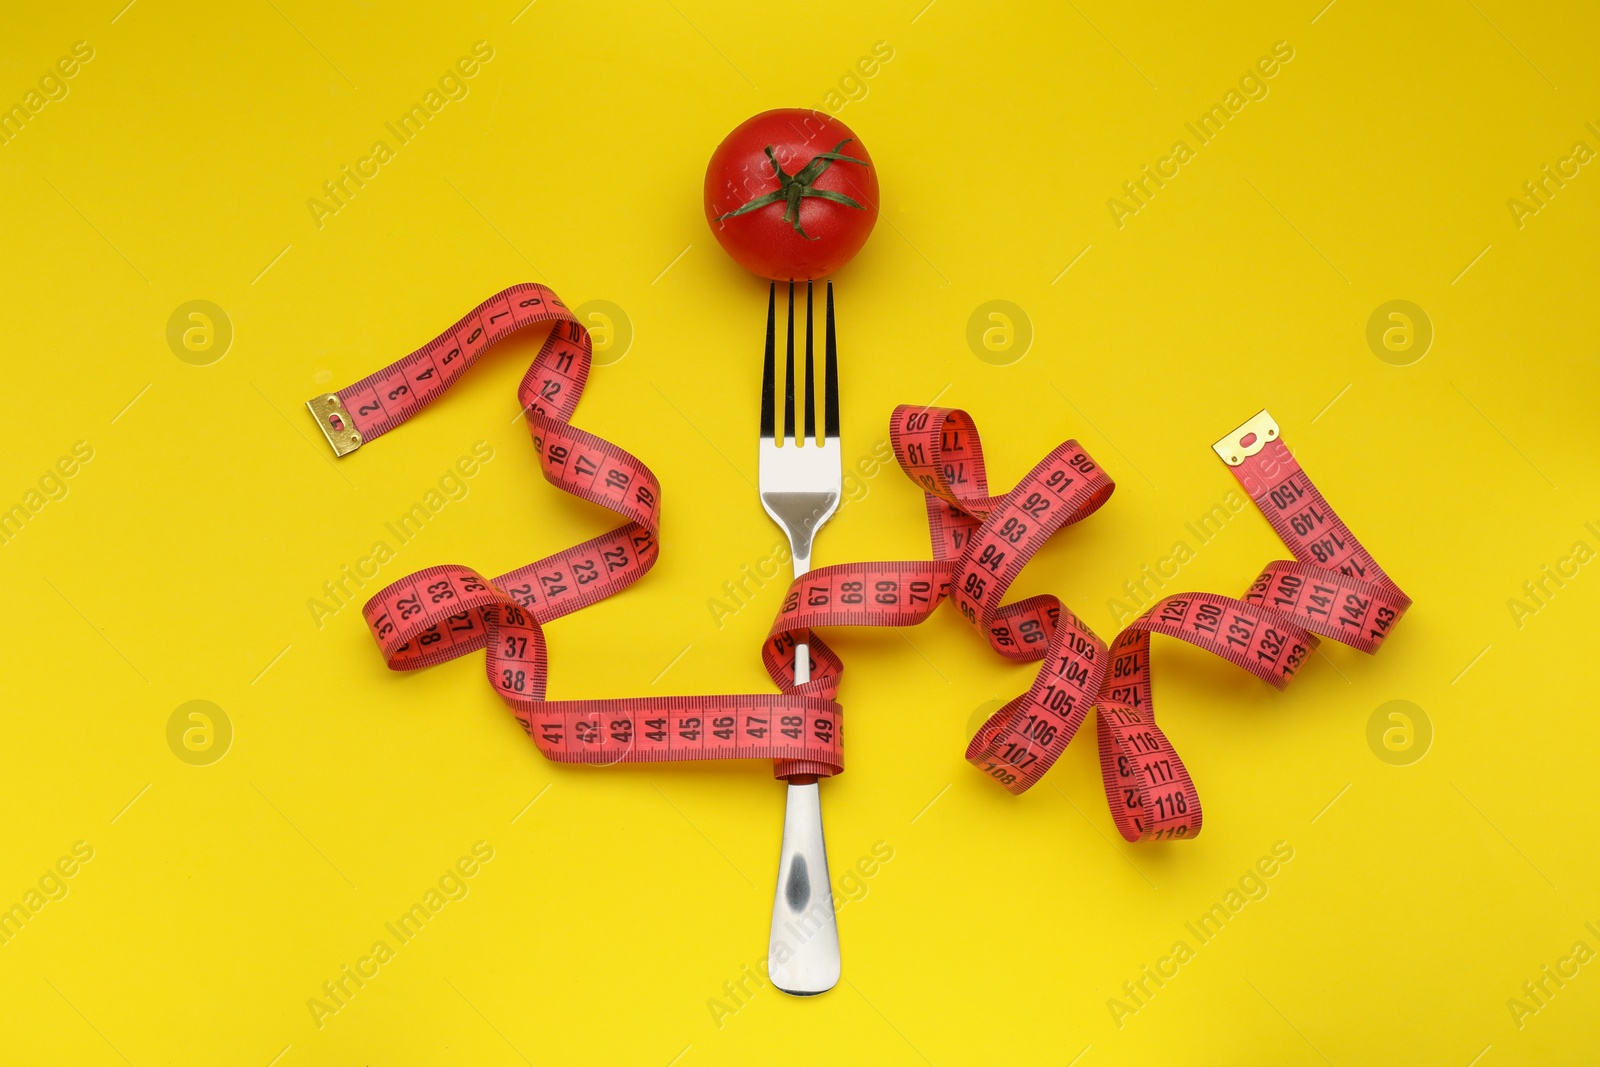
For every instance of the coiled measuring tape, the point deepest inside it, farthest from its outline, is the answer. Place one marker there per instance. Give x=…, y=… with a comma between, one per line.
x=981, y=542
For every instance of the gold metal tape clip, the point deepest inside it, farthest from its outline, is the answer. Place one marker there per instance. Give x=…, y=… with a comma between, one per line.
x=335, y=423
x=1247, y=440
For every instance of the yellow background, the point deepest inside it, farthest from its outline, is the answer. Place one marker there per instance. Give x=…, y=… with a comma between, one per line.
x=179, y=565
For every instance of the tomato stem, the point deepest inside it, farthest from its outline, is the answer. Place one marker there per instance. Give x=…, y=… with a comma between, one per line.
x=792, y=188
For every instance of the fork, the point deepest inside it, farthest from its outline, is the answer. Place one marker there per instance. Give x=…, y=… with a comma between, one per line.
x=801, y=481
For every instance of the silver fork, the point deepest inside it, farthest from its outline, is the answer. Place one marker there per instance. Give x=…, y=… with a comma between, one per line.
x=801, y=482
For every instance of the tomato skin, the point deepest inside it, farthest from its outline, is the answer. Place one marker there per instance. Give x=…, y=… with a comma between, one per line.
x=764, y=242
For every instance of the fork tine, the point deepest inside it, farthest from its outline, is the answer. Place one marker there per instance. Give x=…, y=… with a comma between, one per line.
x=788, y=399
x=768, y=382
x=831, y=372
x=811, y=376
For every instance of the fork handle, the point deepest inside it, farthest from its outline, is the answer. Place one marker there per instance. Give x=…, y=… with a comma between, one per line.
x=803, y=952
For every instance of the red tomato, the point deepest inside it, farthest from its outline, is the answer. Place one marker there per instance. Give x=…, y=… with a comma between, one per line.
x=791, y=194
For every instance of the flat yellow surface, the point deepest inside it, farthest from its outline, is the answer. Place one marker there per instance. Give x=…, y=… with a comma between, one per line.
x=621, y=911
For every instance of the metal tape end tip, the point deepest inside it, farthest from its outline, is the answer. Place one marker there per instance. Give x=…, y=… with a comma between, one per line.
x=1248, y=439
x=335, y=423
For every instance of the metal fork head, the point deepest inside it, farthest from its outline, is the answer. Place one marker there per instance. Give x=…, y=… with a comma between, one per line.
x=801, y=477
